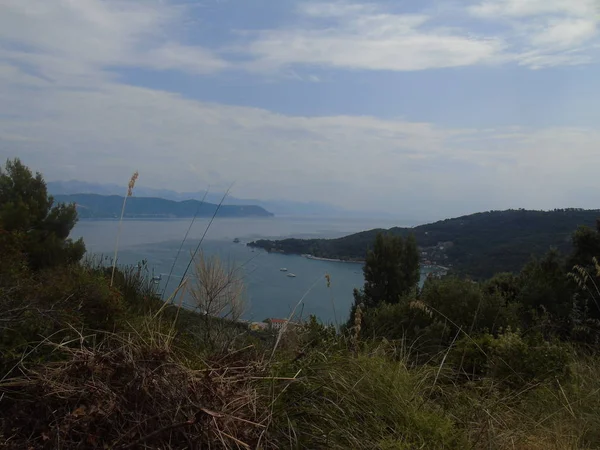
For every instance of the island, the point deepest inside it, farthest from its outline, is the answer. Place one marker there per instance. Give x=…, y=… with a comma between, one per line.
x=94, y=206
x=477, y=245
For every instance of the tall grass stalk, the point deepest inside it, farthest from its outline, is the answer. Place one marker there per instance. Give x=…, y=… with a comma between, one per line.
x=130, y=186
x=183, y=242
x=283, y=329
x=328, y=278
x=193, y=255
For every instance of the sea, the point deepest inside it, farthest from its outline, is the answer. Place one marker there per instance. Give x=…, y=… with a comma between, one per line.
x=270, y=293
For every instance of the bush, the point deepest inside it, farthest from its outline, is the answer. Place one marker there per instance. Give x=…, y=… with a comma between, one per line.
x=131, y=393
x=135, y=284
x=510, y=359
x=546, y=295
x=56, y=302
x=86, y=293
x=465, y=304
x=365, y=402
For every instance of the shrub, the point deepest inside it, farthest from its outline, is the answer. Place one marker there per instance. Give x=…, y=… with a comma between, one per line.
x=84, y=292
x=365, y=402
x=135, y=285
x=510, y=358
x=56, y=302
x=465, y=304
x=131, y=393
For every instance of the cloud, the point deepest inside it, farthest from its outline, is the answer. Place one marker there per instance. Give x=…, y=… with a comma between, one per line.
x=545, y=33
x=104, y=132
x=358, y=36
x=371, y=36
x=531, y=8
x=565, y=33
x=87, y=39
x=66, y=111
x=84, y=36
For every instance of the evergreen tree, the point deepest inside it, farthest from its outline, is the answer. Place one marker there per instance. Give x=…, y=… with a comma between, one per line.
x=391, y=270
x=586, y=245
x=37, y=227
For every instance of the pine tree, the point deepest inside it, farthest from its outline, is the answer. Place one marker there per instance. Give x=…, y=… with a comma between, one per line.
x=37, y=227
x=391, y=270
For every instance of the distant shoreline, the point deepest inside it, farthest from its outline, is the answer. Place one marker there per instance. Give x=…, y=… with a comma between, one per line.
x=163, y=218
x=316, y=258
x=332, y=259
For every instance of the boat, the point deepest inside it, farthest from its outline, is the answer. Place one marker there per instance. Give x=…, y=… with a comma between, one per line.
x=291, y=275
x=283, y=269
x=156, y=279
x=236, y=241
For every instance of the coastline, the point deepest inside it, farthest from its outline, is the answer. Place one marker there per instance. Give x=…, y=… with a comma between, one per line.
x=435, y=268
x=316, y=258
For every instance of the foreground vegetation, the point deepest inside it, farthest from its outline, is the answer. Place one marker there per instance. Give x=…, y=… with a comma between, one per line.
x=85, y=363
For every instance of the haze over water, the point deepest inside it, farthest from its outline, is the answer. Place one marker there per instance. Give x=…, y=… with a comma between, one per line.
x=270, y=292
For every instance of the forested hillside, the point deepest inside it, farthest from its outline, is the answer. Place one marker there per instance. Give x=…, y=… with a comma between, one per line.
x=477, y=245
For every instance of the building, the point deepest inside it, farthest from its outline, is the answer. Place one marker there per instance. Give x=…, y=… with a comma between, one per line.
x=258, y=326
x=278, y=324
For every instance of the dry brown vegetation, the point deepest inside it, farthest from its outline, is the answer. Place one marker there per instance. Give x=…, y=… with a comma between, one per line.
x=127, y=392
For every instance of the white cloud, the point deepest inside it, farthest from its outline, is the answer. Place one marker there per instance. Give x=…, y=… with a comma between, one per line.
x=345, y=35
x=565, y=33
x=87, y=39
x=106, y=131
x=545, y=33
x=363, y=37
x=66, y=113
x=531, y=8
x=80, y=36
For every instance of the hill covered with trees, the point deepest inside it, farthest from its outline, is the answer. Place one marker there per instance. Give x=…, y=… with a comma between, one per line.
x=477, y=245
x=109, y=206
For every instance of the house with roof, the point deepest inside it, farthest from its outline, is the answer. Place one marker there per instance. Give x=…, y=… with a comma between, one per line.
x=258, y=326
x=278, y=324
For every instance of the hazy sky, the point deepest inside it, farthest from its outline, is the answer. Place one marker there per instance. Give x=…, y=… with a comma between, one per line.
x=439, y=106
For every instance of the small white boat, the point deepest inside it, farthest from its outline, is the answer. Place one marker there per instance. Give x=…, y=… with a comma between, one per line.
x=283, y=269
x=291, y=275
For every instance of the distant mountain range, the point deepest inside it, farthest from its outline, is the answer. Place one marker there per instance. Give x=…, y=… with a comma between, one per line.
x=94, y=206
x=277, y=207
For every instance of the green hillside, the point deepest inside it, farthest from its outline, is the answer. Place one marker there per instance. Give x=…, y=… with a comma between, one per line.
x=478, y=245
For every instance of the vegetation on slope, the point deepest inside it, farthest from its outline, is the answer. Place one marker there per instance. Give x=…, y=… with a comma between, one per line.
x=478, y=245
x=510, y=362
x=109, y=206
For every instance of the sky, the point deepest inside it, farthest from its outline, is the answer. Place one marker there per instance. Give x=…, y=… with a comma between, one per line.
x=420, y=107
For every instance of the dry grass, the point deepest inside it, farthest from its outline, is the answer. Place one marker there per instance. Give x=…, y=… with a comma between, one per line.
x=132, y=391
x=139, y=390
x=130, y=187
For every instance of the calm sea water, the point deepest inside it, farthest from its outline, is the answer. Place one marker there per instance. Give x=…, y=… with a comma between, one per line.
x=270, y=292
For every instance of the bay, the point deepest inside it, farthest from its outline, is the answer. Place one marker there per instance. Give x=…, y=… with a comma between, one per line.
x=270, y=292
